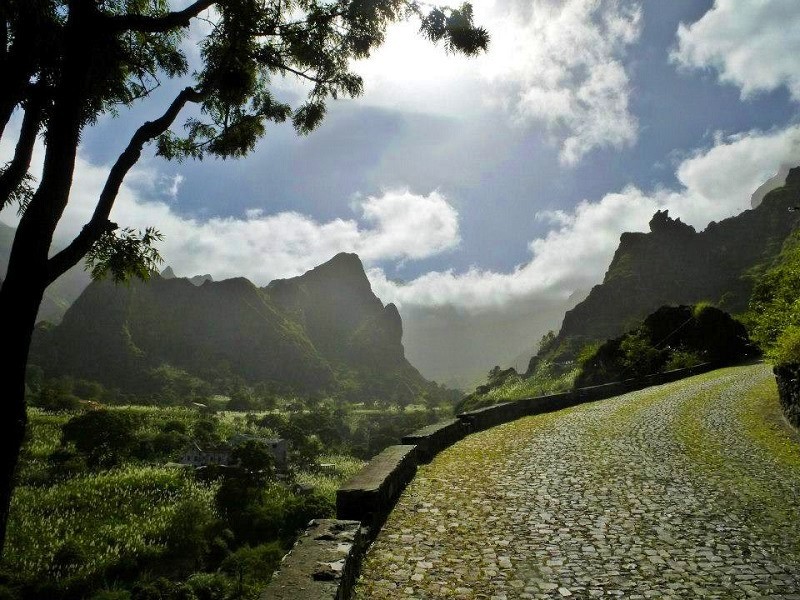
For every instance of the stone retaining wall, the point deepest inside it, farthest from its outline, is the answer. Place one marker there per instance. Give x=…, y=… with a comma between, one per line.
x=433, y=439
x=788, y=379
x=323, y=563
x=370, y=495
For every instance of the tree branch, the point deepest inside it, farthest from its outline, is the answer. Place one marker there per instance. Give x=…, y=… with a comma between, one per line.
x=149, y=24
x=99, y=223
x=13, y=175
x=284, y=67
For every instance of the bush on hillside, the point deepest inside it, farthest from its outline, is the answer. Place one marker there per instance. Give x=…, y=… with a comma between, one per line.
x=774, y=314
x=673, y=337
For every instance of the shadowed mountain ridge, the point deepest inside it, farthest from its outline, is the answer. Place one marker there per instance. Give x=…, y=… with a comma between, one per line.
x=324, y=331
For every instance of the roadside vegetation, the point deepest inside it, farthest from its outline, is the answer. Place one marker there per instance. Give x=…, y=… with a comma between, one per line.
x=673, y=337
x=774, y=315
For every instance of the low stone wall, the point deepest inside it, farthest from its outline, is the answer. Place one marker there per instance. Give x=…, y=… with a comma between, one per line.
x=322, y=565
x=370, y=495
x=489, y=416
x=788, y=379
x=433, y=439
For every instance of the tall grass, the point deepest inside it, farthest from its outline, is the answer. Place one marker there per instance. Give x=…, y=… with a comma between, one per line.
x=82, y=526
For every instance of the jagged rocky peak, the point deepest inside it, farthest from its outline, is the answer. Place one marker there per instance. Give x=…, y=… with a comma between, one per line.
x=793, y=177
x=169, y=273
x=779, y=179
x=201, y=279
x=393, y=324
x=663, y=223
x=340, y=281
x=345, y=267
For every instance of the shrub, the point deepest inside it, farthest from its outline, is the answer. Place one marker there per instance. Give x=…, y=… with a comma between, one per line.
x=775, y=304
x=680, y=359
x=210, y=586
x=787, y=347
x=700, y=308
x=104, y=436
x=253, y=565
x=7, y=593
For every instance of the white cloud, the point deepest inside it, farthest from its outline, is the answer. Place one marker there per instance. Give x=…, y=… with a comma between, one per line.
x=393, y=225
x=753, y=45
x=172, y=185
x=714, y=184
x=398, y=225
x=408, y=225
x=555, y=62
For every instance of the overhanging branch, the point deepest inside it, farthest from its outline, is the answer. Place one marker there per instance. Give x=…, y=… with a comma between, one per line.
x=99, y=223
x=150, y=24
x=13, y=175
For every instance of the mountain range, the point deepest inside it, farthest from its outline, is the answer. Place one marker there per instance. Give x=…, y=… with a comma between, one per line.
x=673, y=264
x=322, y=332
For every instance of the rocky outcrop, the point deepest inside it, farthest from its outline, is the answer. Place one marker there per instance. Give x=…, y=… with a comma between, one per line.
x=169, y=273
x=341, y=314
x=776, y=181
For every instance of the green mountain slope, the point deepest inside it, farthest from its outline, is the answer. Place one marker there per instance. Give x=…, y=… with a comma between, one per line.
x=322, y=332
x=352, y=328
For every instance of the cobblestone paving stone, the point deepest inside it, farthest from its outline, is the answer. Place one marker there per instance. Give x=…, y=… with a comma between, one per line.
x=673, y=492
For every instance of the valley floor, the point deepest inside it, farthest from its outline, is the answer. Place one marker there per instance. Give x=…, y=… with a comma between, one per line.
x=687, y=490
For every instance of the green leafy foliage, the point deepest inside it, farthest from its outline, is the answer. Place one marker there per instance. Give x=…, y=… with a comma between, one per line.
x=125, y=254
x=545, y=378
x=21, y=195
x=91, y=522
x=106, y=437
x=670, y=338
x=315, y=41
x=774, y=312
x=786, y=349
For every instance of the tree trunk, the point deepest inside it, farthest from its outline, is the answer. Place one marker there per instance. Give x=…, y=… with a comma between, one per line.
x=20, y=297
x=27, y=275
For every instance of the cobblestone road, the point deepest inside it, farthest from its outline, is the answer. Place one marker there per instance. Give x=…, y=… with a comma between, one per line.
x=688, y=490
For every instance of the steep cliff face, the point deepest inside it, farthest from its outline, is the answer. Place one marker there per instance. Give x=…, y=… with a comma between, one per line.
x=322, y=331
x=343, y=317
x=674, y=264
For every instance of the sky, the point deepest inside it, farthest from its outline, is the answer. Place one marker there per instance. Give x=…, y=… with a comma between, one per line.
x=487, y=195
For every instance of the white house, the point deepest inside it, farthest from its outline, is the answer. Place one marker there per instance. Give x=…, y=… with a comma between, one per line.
x=196, y=456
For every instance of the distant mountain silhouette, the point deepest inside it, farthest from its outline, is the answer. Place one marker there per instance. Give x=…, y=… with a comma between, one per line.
x=323, y=331
x=60, y=294
x=168, y=273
